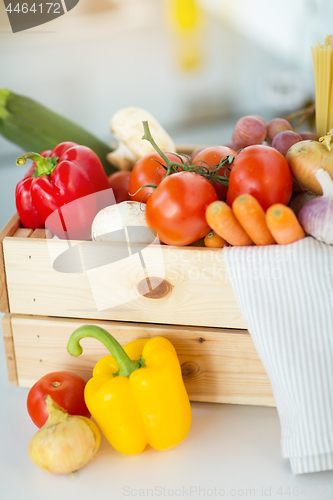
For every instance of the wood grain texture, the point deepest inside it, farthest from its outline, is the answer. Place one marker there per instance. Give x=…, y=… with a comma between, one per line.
x=197, y=290
x=218, y=365
x=9, y=229
x=9, y=349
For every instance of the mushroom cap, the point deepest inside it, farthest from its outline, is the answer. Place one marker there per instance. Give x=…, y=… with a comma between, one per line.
x=110, y=222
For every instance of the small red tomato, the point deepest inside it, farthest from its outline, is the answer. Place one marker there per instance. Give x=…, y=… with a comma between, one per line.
x=119, y=182
x=177, y=208
x=263, y=172
x=65, y=388
x=210, y=157
x=149, y=170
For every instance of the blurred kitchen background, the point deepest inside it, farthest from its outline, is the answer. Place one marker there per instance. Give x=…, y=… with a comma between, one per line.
x=196, y=65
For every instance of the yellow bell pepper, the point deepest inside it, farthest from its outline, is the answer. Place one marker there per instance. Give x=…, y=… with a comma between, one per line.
x=136, y=403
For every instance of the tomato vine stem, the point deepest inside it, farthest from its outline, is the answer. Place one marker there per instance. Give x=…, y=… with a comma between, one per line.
x=210, y=173
x=169, y=163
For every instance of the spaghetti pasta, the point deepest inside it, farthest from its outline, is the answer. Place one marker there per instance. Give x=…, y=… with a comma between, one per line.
x=322, y=57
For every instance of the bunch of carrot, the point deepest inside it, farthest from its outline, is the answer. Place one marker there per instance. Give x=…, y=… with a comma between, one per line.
x=246, y=223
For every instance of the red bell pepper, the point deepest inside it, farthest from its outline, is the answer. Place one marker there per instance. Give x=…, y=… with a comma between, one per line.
x=54, y=191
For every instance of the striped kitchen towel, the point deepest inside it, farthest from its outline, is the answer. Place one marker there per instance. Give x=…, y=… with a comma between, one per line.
x=285, y=294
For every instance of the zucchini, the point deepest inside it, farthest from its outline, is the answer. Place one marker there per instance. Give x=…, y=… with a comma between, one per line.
x=36, y=128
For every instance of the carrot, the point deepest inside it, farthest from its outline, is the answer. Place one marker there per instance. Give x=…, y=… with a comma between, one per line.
x=220, y=218
x=251, y=217
x=283, y=224
x=213, y=240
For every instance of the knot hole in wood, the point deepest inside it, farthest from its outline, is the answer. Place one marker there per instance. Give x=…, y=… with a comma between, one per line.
x=190, y=369
x=154, y=288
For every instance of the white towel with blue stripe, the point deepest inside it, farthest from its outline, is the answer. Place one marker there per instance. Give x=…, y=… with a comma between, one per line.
x=285, y=294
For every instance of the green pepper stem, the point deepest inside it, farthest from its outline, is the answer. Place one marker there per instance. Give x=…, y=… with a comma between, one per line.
x=44, y=165
x=124, y=362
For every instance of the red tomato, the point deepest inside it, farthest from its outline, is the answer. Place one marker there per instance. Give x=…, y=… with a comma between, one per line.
x=212, y=157
x=65, y=388
x=176, y=209
x=263, y=172
x=119, y=182
x=148, y=170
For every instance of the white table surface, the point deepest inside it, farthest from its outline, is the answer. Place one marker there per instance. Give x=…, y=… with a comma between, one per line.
x=231, y=451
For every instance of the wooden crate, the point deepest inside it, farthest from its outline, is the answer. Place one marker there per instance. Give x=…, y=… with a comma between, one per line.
x=193, y=305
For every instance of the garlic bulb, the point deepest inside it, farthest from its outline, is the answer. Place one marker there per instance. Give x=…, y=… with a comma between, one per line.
x=316, y=216
x=65, y=443
x=301, y=199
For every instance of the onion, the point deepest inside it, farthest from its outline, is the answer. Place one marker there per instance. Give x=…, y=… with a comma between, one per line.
x=65, y=443
x=306, y=157
x=316, y=217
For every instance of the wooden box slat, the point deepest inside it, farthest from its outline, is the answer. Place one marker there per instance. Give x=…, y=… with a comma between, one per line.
x=9, y=229
x=41, y=233
x=218, y=365
x=197, y=290
x=23, y=232
x=9, y=349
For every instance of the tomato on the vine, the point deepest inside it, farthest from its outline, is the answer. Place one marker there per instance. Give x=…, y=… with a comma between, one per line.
x=65, y=388
x=210, y=157
x=149, y=170
x=176, y=209
x=119, y=183
x=263, y=172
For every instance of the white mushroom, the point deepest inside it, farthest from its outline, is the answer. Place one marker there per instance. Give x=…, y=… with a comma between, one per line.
x=122, y=222
x=127, y=128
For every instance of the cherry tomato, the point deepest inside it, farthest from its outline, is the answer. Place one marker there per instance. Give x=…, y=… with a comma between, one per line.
x=148, y=170
x=263, y=172
x=65, y=388
x=119, y=182
x=212, y=157
x=176, y=209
